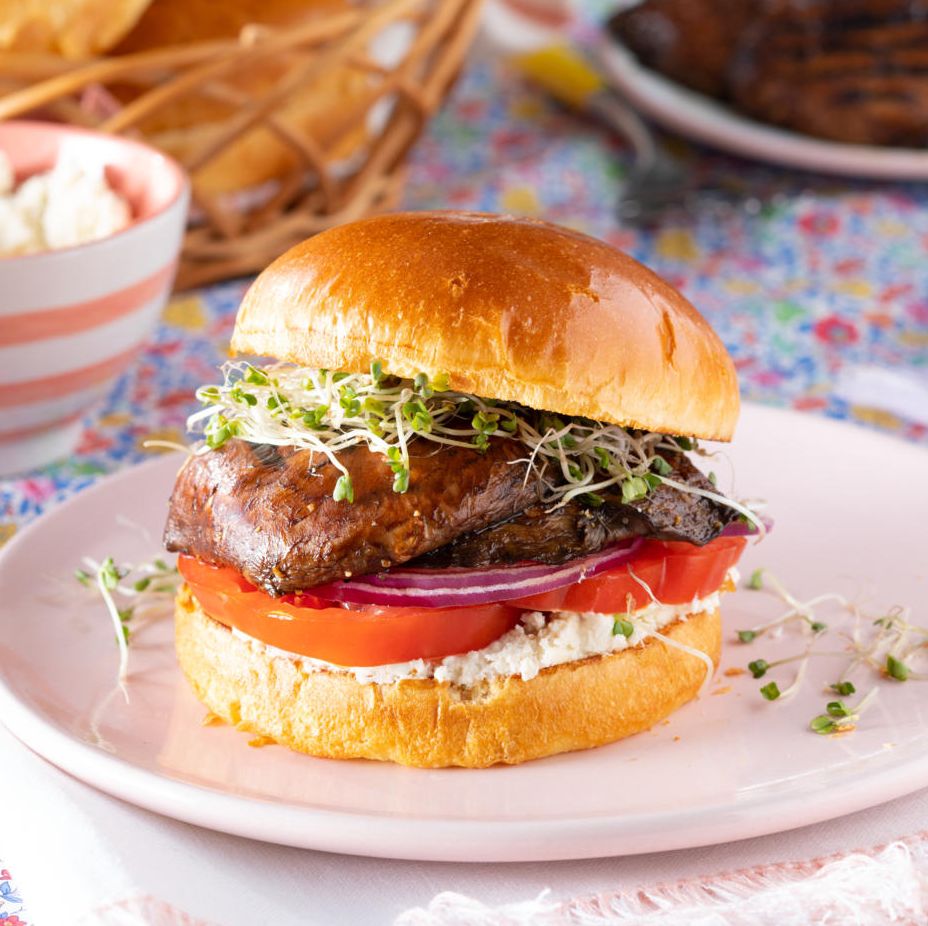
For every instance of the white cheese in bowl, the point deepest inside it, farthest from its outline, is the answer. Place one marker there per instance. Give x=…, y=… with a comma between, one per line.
x=68, y=205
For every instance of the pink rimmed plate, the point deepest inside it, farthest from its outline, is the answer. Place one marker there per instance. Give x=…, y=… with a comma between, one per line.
x=850, y=507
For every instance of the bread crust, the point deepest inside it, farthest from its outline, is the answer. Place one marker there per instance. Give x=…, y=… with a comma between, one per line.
x=191, y=123
x=74, y=29
x=430, y=724
x=509, y=308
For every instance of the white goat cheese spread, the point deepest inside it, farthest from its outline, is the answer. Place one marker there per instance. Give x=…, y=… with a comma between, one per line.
x=68, y=205
x=535, y=643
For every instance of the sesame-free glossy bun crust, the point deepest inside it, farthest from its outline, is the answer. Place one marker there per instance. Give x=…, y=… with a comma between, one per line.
x=429, y=724
x=509, y=308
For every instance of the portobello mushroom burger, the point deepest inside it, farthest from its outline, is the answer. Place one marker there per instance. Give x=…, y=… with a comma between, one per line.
x=456, y=519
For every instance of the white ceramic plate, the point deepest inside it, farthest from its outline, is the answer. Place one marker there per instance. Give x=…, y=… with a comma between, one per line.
x=850, y=507
x=705, y=120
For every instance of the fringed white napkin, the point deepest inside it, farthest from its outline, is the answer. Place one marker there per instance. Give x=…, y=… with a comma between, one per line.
x=887, y=887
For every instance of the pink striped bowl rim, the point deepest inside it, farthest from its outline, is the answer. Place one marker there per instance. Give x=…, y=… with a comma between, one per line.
x=72, y=320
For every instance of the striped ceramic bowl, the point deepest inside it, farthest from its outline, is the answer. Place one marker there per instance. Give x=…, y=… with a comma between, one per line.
x=72, y=320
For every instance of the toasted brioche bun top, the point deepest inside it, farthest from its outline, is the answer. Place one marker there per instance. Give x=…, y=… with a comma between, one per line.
x=509, y=308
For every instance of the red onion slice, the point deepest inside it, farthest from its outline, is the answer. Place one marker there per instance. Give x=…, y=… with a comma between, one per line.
x=447, y=588
x=453, y=576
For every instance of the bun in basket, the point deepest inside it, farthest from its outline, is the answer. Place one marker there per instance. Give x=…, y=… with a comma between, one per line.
x=71, y=28
x=190, y=123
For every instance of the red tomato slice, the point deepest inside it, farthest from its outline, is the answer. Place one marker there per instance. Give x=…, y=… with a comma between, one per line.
x=368, y=636
x=364, y=636
x=675, y=572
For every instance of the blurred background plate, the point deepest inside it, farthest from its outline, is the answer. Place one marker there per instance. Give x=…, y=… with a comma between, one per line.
x=705, y=120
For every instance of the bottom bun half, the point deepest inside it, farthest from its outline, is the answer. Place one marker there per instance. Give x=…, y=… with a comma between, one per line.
x=432, y=724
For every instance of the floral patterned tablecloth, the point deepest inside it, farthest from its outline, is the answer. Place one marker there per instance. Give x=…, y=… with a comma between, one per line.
x=811, y=280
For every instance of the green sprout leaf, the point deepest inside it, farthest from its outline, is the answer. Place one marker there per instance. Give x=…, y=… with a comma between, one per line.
x=661, y=466
x=602, y=458
x=418, y=416
x=315, y=418
x=485, y=422
x=758, y=668
x=896, y=668
x=623, y=628
x=633, y=489
x=756, y=582
x=652, y=480
x=344, y=489
x=255, y=376
x=837, y=709
x=843, y=688
x=110, y=574
x=823, y=725
x=770, y=691
x=219, y=431
x=421, y=385
x=374, y=407
x=237, y=394
x=747, y=636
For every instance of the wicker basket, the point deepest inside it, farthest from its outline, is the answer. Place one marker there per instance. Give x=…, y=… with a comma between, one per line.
x=239, y=232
